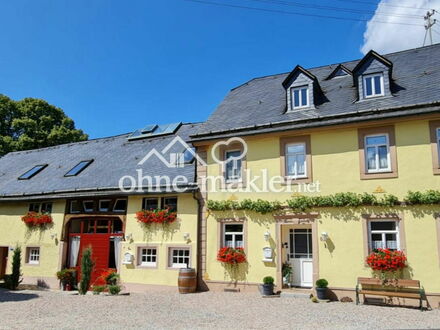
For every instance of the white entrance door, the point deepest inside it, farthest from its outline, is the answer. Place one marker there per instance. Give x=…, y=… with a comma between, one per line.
x=301, y=257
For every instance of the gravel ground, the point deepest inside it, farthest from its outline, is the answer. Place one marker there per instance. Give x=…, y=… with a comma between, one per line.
x=51, y=309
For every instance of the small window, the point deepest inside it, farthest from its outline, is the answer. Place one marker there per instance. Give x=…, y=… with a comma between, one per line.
x=300, y=97
x=373, y=85
x=170, y=203
x=120, y=205
x=104, y=205
x=46, y=208
x=89, y=206
x=377, y=153
x=233, y=235
x=147, y=257
x=78, y=168
x=32, y=172
x=151, y=204
x=34, y=207
x=33, y=255
x=296, y=166
x=233, y=165
x=75, y=207
x=189, y=155
x=179, y=258
x=384, y=234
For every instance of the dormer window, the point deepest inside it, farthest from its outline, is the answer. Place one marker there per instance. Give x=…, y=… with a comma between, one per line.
x=300, y=97
x=373, y=85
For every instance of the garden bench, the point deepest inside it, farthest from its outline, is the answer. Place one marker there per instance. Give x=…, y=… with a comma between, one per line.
x=410, y=289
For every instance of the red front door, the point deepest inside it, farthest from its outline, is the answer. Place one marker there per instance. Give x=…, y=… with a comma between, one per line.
x=96, y=233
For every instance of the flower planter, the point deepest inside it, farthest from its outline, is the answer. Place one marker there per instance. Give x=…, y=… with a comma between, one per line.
x=321, y=293
x=267, y=289
x=34, y=219
x=156, y=216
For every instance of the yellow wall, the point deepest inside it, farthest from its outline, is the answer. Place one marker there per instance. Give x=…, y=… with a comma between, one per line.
x=187, y=223
x=15, y=232
x=336, y=165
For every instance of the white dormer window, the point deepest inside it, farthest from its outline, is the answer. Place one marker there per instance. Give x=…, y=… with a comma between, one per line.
x=300, y=97
x=373, y=85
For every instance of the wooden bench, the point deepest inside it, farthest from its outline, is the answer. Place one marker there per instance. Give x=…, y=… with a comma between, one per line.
x=410, y=289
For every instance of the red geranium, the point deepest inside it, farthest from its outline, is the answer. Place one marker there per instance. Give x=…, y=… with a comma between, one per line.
x=156, y=216
x=231, y=256
x=385, y=260
x=36, y=219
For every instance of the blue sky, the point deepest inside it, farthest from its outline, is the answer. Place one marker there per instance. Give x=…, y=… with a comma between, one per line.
x=114, y=66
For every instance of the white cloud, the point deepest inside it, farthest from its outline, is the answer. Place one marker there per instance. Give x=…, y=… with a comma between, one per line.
x=388, y=37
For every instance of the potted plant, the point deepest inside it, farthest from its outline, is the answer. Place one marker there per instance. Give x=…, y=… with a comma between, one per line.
x=268, y=285
x=287, y=272
x=66, y=277
x=321, y=288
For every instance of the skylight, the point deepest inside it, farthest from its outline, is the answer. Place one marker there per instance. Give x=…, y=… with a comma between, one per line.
x=32, y=172
x=78, y=168
x=154, y=130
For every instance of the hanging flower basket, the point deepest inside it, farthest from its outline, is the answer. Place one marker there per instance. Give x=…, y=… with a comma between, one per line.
x=387, y=265
x=231, y=256
x=34, y=219
x=156, y=216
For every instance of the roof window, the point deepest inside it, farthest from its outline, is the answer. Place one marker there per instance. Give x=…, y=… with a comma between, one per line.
x=78, y=168
x=32, y=172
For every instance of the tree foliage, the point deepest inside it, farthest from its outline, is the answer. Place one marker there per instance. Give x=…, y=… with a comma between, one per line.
x=15, y=278
x=33, y=123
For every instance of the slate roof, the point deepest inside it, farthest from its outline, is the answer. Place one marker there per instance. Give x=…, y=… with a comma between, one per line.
x=113, y=157
x=259, y=105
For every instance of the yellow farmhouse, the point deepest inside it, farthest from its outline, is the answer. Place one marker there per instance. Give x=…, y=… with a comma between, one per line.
x=308, y=172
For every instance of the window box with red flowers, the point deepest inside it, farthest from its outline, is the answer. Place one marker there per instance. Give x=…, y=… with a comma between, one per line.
x=158, y=216
x=37, y=220
x=387, y=263
x=234, y=261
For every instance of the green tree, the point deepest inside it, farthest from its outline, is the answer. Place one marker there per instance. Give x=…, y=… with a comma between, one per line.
x=15, y=278
x=86, y=271
x=33, y=123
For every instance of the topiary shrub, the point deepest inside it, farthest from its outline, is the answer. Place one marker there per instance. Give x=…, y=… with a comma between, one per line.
x=321, y=283
x=86, y=271
x=114, y=289
x=268, y=280
x=15, y=278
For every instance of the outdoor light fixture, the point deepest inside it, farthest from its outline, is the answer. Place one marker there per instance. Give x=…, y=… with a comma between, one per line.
x=266, y=236
x=324, y=236
x=129, y=237
x=186, y=236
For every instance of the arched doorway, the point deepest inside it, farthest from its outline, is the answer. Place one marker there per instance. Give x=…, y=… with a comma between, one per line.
x=103, y=235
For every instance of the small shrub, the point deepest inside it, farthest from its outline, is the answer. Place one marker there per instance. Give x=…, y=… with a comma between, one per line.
x=114, y=289
x=15, y=278
x=321, y=283
x=112, y=278
x=86, y=271
x=286, y=269
x=346, y=300
x=268, y=280
x=97, y=289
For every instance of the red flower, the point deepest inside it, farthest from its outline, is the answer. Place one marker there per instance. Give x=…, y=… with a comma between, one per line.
x=36, y=219
x=385, y=260
x=156, y=216
x=231, y=256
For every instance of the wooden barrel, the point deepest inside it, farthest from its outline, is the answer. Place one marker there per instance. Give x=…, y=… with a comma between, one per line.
x=187, y=280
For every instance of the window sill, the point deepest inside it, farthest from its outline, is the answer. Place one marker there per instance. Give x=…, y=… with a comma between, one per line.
x=379, y=175
x=289, y=180
x=146, y=267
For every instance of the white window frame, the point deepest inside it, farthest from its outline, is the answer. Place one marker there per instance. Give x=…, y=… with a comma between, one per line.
x=292, y=97
x=373, y=89
x=146, y=254
x=33, y=255
x=116, y=203
x=286, y=159
x=35, y=207
x=88, y=210
x=383, y=233
x=235, y=179
x=233, y=233
x=44, y=206
x=71, y=206
x=171, y=263
x=376, y=146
